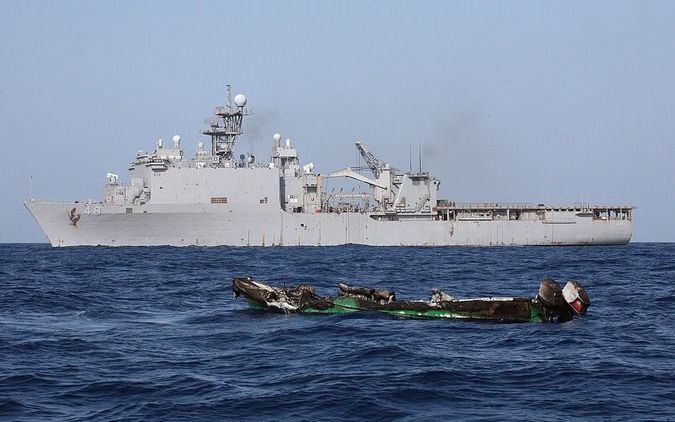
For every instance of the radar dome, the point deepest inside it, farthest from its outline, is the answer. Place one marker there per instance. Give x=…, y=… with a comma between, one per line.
x=240, y=100
x=176, y=138
x=277, y=137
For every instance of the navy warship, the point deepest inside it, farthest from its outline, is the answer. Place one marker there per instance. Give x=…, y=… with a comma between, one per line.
x=219, y=198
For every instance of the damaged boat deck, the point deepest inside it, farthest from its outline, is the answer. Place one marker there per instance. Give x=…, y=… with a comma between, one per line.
x=552, y=303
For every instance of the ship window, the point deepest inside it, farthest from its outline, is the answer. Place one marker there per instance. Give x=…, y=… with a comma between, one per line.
x=219, y=199
x=130, y=210
x=263, y=200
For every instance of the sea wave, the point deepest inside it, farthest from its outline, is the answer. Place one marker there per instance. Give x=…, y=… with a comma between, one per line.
x=155, y=334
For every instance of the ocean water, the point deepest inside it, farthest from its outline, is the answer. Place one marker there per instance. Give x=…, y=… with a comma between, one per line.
x=155, y=334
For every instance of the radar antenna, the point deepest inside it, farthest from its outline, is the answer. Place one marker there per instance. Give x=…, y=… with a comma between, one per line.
x=227, y=127
x=374, y=164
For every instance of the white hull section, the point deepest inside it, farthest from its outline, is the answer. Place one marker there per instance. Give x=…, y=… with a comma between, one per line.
x=213, y=225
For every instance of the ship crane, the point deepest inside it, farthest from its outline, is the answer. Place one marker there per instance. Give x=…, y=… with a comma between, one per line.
x=380, y=189
x=374, y=164
x=348, y=172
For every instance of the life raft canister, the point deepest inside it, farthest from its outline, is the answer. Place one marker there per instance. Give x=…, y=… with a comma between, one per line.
x=576, y=297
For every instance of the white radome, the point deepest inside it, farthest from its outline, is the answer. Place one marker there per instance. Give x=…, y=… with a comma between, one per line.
x=240, y=100
x=176, y=138
x=276, y=136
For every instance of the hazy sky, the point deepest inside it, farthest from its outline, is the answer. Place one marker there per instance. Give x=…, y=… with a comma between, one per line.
x=513, y=101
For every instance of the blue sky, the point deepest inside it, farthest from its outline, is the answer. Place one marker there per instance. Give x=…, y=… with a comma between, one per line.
x=513, y=101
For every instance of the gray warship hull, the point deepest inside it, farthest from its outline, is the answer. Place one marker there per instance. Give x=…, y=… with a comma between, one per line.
x=216, y=199
x=212, y=226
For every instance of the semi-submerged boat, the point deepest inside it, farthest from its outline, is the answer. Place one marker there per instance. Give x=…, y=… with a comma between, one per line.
x=551, y=304
x=218, y=197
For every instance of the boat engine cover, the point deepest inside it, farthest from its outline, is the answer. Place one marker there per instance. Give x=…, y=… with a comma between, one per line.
x=576, y=297
x=550, y=293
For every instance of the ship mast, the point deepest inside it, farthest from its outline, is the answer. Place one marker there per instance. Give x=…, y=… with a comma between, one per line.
x=227, y=127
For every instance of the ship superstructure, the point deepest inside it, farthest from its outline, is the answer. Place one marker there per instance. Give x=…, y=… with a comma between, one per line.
x=218, y=198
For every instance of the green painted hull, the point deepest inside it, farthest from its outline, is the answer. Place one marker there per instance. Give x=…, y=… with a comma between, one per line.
x=353, y=304
x=347, y=305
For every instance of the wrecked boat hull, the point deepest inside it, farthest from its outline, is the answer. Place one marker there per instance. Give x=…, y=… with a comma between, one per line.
x=488, y=309
x=548, y=306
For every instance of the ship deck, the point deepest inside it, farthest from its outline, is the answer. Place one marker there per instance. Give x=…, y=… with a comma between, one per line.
x=448, y=210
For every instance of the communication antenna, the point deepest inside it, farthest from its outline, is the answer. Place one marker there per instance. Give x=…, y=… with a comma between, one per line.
x=419, y=153
x=228, y=90
x=410, y=156
x=227, y=127
x=30, y=188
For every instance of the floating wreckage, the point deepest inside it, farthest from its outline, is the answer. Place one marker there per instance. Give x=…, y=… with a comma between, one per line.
x=552, y=303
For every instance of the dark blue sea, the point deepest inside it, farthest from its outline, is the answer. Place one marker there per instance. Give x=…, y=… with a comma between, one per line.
x=155, y=334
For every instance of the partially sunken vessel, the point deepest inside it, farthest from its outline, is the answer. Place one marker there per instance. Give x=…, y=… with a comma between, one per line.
x=219, y=198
